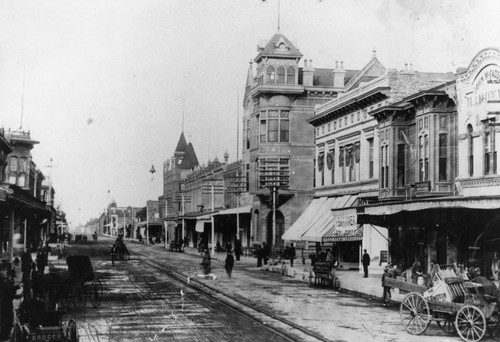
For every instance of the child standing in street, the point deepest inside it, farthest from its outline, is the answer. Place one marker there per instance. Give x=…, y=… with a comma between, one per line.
x=229, y=263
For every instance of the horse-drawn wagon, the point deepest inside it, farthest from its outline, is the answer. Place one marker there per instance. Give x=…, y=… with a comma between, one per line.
x=73, y=284
x=457, y=305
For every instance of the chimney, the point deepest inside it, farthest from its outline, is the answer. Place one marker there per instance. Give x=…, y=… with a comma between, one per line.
x=339, y=75
x=308, y=73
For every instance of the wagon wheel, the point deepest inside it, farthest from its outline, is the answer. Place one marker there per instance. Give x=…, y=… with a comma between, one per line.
x=71, y=332
x=79, y=296
x=470, y=323
x=18, y=334
x=415, y=313
x=95, y=292
x=447, y=325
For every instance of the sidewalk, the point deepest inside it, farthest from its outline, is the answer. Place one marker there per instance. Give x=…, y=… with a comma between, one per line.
x=349, y=281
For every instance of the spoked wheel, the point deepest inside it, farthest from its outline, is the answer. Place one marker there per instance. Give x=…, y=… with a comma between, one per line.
x=470, y=323
x=447, y=325
x=95, y=292
x=415, y=313
x=71, y=332
x=18, y=334
x=79, y=297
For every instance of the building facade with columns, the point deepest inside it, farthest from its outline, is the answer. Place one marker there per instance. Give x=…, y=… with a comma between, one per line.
x=360, y=162
x=444, y=143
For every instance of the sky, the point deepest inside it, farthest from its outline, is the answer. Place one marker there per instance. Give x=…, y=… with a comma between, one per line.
x=108, y=86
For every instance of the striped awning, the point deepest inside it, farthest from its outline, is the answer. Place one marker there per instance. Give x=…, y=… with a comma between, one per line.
x=318, y=218
x=336, y=235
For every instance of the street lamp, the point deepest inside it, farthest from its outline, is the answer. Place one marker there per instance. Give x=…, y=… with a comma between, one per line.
x=152, y=171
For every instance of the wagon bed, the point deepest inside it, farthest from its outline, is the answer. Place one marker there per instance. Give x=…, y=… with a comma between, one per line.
x=456, y=305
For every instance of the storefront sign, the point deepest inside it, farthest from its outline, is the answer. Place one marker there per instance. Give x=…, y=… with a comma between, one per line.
x=274, y=150
x=423, y=186
x=384, y=257
x=345, y=221
x=486, y=87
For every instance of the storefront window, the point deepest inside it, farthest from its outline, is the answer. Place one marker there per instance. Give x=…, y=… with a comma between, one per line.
x=401, y=161
x=271, y=75
x=281, y=74
x=471, y=150
x=490, y=163
x=443, y=157
x=290, y=77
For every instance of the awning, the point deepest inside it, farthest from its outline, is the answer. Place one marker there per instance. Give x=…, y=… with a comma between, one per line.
x=200, y=223
x=300, y=225
x=200, y=226
x=233, y=211
x=318, y=218
x=336, y=235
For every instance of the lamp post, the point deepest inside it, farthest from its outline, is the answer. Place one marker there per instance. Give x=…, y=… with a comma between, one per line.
x=152, y=171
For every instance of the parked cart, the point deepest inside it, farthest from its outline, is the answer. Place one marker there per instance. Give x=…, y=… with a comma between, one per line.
x=34, y=323
x=73, y=285
x=456, y=305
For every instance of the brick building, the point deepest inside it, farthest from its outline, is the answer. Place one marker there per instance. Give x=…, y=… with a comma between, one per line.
x=278, y=142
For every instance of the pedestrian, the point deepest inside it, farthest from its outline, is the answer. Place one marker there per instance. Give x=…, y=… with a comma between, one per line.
x=46, y=249
x=41, y=260
x=7, y=295
x=218, y=247
x=313, y=258
x=329, y=256
x=434, y=270
x=291, y=254
x=387, y=289
x=114, y=253
x=237, y=249
x=259, y=253
x=229, y=263
x=26, y=261
x=366, y=263
x=206, y=262
x=36, y=282
x=416, y=270
x=265, y=252
x=285, y=253
x=495, y=266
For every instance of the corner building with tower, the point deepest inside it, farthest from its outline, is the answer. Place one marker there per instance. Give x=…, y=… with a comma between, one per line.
x=278, y=142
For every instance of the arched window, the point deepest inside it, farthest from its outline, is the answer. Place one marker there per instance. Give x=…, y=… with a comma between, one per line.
x=271, y=74
x=13, y=167
x=470, y=150
x=281, y=74
x=290, y=75
x=22, y=164
x=13, y=164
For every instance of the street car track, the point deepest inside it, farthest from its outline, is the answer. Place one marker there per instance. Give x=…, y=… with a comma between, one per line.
x=269, y=321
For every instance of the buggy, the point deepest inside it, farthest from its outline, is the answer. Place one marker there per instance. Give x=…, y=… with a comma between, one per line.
x=34, y=323
x=73, y=285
